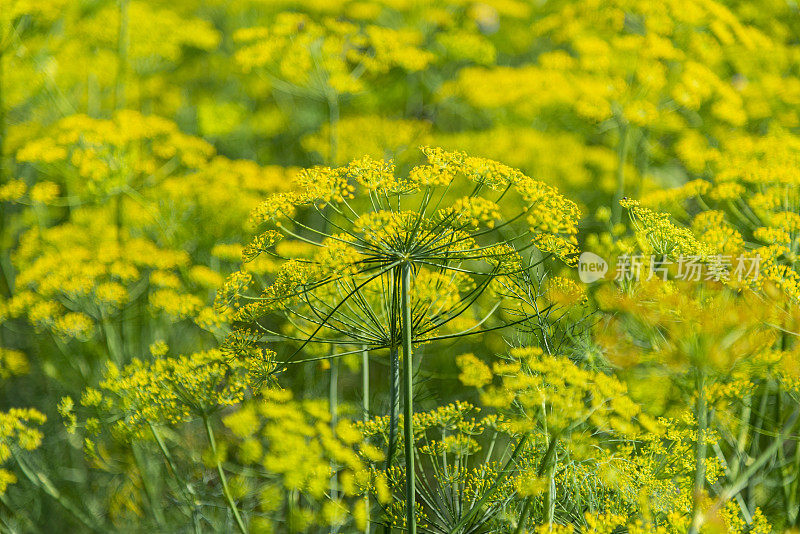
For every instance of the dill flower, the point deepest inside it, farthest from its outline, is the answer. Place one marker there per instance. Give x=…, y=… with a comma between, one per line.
x=297, y=452
x=18, y=432
x=357, y=259
x=403, y=265
x=658, y=234
x=12, y=363
x=169, y=390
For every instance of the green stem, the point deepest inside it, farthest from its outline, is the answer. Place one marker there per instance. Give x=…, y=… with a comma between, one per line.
x=523, y=516
x=394, y=408
x=186, y=487
x=394, y=403
x=795, y=489
x=507, y=468
x=744, y=477
x=700, y=456
x=333, y=123
x=222, y=478
x=365, y=381
x=551, y=494
x=760, y=426
x=408, y=405
x=365, y=408
x=744, y=428
x=2, y=111
x=333, y=400
x=42, y=481
x=549, y=465
x=140, y=462
x=122, y=56
x=624, y=141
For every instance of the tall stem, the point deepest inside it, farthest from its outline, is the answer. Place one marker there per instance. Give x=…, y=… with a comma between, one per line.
x=548, y=464
x=394, y=408
x=394, y=403
x=2, y=110
x=333, y=401
x=122, y=56
x=365, y=409
x=186, y=488
x=624, y=141
x=551, y=495
x=507, y=469
x=700, y=457
x=408, y=405
x=365, y=382
x=222, y=478
x=523, y=516
x=333, y=122
x=42, y=481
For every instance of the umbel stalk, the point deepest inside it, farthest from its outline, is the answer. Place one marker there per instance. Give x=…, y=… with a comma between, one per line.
x=408, y=406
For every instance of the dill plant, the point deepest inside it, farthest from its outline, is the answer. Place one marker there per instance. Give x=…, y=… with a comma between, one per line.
x=117, y=225
x=725, y=350
x=403, y=260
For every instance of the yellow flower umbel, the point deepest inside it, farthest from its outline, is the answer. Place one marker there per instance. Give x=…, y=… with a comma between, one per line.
x=398, y=259
x=418, y=220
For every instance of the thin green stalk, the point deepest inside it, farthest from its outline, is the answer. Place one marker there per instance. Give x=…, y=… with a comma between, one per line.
x=394, y=408
x=785, y=475
x=408, y=405
x=795, y=489
x=222, y=478
x=760, y=426
x=42, y=481
x=18, y=515
x=551, y=494
x=186, y=487
x=140, y=462
x=624, y=142
x=700, y=455
x=523, y=516
x=2, y=112
x=365, y=408
x=365, y=382
x=549, y=465
x=466, y=518
x=394, y=403
x=744, y=477
x=333, y=122
x=122, y=56
x=333, y=401
x=744, y=429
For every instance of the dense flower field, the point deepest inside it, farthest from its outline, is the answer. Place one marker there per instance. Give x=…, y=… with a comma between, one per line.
x=385, y=266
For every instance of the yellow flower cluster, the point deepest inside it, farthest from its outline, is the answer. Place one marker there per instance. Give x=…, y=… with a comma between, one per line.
x=564, y=396
x=105, y=156
x=75, y=275
x=657, y=234
x=17, y=431
x=328, y=54
x=12, y=363
x=298, y=452
x=165, y=391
